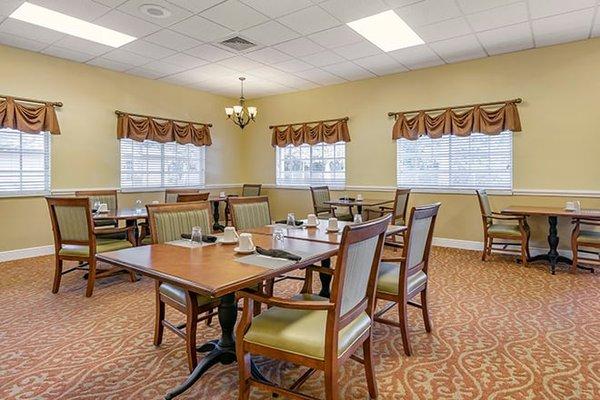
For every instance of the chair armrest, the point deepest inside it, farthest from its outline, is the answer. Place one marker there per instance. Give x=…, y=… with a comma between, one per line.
x=503, y=217
x=386, y=208
x=321, y=270
x=393, y=259
x=285, y=303
x=583, y=221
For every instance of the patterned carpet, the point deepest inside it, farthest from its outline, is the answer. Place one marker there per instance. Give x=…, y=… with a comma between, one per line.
x=499, y=332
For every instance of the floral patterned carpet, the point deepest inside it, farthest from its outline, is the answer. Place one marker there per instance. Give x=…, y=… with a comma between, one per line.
x=500, y=331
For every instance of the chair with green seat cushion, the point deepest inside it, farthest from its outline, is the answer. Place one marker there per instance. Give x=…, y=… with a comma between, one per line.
x=249, y=212
x=585, y=243
x=503, y=234
x=320, y=194
x=398, y=211
x=108, y=197
x=251, y=189
x=314, y=331
x=402, y=278
x=76, y=239
x=172, y=194
x=167, y=223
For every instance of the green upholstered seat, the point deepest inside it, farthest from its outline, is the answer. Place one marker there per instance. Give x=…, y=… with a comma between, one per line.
x=178, y=294
x=147, y=240
x=389, y=278
x=251, y=215
x=505, y=230
x=302, y=331
x=102, y=245
x=586, y=236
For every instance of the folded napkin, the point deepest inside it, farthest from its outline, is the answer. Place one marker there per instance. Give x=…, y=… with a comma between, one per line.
x=205, y=238
x=278, y=254
x=284, y=222
x=347, y=198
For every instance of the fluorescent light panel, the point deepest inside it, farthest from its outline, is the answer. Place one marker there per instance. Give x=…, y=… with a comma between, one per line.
x=387, y=31
x=60, y=22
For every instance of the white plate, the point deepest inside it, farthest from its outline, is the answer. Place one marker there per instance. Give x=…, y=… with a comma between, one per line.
x=222, y=241
x=311, y=226
x=238, y=250
x=332, y=230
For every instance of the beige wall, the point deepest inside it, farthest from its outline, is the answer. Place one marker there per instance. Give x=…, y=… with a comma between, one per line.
x=86, y=154
x=558, y=149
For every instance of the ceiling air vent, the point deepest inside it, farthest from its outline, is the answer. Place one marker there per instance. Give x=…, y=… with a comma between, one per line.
x=237, y=43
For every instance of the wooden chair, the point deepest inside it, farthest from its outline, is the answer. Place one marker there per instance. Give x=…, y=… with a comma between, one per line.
x=249, y=212
x=316, y=332
x=187, y=197
x=167, y=223
x=75, y=239
x=503, y=234
x=102, y=196
x=251, y=189
x=402, y=278
x=585, y=241
x=171, y=194
x=320, y=194
x=398, y=211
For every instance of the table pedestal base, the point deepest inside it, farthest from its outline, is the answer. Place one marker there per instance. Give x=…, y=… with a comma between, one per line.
x=217, y=227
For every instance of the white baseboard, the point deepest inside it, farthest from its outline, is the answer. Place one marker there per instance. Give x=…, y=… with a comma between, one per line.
x=18, y=254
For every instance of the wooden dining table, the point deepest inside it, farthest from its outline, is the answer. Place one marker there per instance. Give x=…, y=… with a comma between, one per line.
x=552, y=213
x=359, y=204
x=129, y=215
x=215, y=270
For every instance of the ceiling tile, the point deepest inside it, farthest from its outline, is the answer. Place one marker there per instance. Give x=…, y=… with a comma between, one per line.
x=417, y=57
x=299, y=47
x=110, y=3
x=475, y=6
x=67, y=54
x=172, y=40
x=163, y=68
x=277, y=8
x=126, y=57
x=319, y=76
x=545, y=8
x=269, y=33
x=507, y=39
x=195, y=5
x=201, y=29
x=125, y=23
x=400, y=3
x=234, y=15
x=269, y=73
x=322, y=58
x=145, y=73
x=240, y=63
x=309, y=20
x=209, y=52
x=21, y=42
x=381, y=64
x=428, y=12
x=358, y=50
x=351, y=10
x=143, y=48
x=8, y=6
x=268, y=55
x=498, y=17
x=132, y=7
x=563, y=28
x=83, y=9
x=349, y=70
x=110, y=64
x=185, y=61
x=30, y=31
x=85, y=46
x=293, y=65
x=459, y=49
x=336, y=37
x=444, y=30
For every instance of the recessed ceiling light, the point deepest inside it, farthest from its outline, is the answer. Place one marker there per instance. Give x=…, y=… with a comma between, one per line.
x=387, y=31
x=155, y=11
x=60, y=22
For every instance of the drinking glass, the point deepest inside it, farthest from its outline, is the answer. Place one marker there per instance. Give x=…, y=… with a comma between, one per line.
x=291, y=220
x=358, y=219
x=96, y=206
x=278, y=234
x=196, y=235
x=138, y=206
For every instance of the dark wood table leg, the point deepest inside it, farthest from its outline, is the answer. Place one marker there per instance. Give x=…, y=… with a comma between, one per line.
x=552, y=256
x=325, y=279
x=216, y=225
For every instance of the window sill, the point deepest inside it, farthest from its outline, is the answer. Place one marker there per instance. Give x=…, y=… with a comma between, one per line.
x=23, y=195
x=151, y=190
x=303, y=187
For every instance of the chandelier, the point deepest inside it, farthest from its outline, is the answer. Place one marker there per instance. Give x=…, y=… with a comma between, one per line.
x=240, y=114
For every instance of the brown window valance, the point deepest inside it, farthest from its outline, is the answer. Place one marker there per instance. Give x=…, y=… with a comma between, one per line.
x=326, y=131
x=143, y=127
x=474, y=118
x=22, y=115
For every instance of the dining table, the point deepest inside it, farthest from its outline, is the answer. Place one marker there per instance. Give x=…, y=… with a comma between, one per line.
x=129, y=215
x=215, y=270
x=359, y=204
x=552, y=213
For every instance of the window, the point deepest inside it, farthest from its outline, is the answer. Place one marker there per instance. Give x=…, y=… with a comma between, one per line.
x=24, y=163
x=321, y=164
x=152, y=165
x=452, y=162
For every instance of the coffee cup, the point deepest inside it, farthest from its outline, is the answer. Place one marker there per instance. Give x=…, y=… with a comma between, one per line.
x=103, y=207
x=311, y=219
x=359, y=197
x=246, y=243
x=570, y=206
x=222, y=194
x=229, y=234
x=333, y=224
x=155, y=201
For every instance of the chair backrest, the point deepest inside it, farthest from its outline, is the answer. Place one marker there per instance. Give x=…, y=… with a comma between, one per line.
x=320, y=194
x=484, y=203
x=418, y=239
x=249, y=212
x=356, y=269
x=400, y=206
x=103, y=196
x=187, y=197
x=171, y=194
x=72, y=222
x=251, y=189
x=169, y=221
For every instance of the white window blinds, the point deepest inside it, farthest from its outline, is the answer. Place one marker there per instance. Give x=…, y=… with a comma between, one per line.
x=320, y=164
x=452, y=162
x=24, y=163
x=152, y=165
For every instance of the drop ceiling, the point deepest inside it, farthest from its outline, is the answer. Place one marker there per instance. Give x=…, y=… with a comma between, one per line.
x=301, y=44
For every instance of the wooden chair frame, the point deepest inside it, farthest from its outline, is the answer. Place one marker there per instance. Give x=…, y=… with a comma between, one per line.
x=103, y=192
x=395, y=241
x=246, y=186
x=331, y=208
x=576, y=245
x=178, y=191
x=188, y=330
x=83, y=262
x=232, y=201
x=332, y=362
x=192, y=197
x=403, y=298
x=502, y=247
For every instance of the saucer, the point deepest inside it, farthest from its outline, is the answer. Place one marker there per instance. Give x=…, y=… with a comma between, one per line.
x=223, y=241
x=238, y=250
x=311, y=226
x=332, y=230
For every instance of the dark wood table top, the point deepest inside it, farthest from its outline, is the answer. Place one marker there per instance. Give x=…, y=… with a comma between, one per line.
x=319, y=233
x=123, y=214
x=363, y=202
x=552, y=212
x=211, y=270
